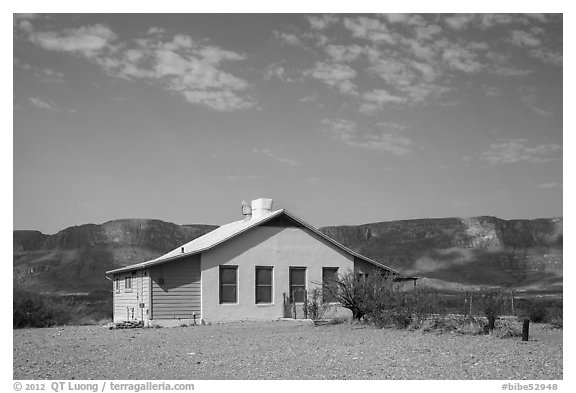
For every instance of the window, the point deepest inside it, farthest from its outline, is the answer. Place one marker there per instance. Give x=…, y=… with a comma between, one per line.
x=263, y=284
x=228, y=284
x=128, y=284
x=117, y=284
x=297, y=284
x=329, y=277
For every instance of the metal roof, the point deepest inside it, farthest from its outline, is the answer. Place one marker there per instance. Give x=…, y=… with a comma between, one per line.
x=228, y=231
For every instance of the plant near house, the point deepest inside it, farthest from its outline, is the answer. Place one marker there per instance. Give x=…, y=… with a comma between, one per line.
x=314, y=307
x=356, y=292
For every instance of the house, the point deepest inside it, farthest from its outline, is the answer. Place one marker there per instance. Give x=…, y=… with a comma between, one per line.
x=245, y=270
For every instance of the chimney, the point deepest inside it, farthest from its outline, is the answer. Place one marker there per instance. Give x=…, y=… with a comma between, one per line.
x=261, y=207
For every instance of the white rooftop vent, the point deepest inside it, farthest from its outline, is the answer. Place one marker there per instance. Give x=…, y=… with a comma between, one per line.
x=261, y=207
x=246, y=210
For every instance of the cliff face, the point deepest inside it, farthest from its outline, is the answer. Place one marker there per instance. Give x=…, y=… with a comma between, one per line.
x=445, y=252
x=74, y=260
x=471, y=251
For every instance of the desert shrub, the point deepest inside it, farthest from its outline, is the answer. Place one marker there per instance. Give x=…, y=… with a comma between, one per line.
x=537, y=313
x=389, y=308
x=541, y=311
x=356, y=292
x=491, y=305
x=507, y=329
x=34, y=310
x=313, y=306
x=557, y=322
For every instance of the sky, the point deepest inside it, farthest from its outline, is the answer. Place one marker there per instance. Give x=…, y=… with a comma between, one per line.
x=341, y=119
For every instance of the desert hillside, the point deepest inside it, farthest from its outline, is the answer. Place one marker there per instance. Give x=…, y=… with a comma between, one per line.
x=448, y=253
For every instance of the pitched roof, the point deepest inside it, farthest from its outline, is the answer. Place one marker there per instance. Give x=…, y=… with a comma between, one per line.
x=228, y=231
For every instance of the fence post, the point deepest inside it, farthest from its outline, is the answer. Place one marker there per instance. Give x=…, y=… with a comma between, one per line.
x=513, y=310
x=525, y=329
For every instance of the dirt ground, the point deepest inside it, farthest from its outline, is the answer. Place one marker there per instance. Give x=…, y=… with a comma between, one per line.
x=282, y=350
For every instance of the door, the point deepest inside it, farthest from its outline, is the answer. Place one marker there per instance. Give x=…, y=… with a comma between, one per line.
x=140, y=295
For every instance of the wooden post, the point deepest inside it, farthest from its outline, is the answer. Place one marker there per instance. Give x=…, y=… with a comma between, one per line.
x=525, y=329
x=513, y=310
x=305, y=305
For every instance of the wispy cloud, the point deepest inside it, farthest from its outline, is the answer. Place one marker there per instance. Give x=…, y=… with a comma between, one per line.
x=321, y=22
x=336, y=75
x=530, y=101
x=287, y=38
x=548, y=186
x=270, y=154
x=277, y=71
x=386, y=139
x=524, y=39
x=180, y=63
x=371, y=29
x=517, y=150
x=43, y=104
x=46, y=75
x=547, y=56
x=87, y=40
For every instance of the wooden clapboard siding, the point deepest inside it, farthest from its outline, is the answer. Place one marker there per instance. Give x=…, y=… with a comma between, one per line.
x=180, y=294
x=125, y=301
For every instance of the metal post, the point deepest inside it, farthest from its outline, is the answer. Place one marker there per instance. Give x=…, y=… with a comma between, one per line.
x=525, y=329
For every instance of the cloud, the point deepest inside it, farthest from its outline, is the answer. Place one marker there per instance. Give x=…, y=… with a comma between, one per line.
x=405, y=19
x=517, y=150
x=345, y=53
x=287, y=38
x=87, y=40
x=270, y=154
x=530, y=101
x=222, y=100
x=156, y=30
x=547, y=56
x=377, y=99
x=370, y=29
x=46, y=75
x=492, y=91
x=276, y=71
x=459, y=21
x=461, y=59
x=509, y=71
x=491, y=20
x=180, y=63
x=549, y=185
x=42, y=104
x=524, y=39
x=335, y=75
x=385, y=140
x=321, y=22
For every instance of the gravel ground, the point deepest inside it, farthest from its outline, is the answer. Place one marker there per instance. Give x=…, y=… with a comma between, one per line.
x=281, y=350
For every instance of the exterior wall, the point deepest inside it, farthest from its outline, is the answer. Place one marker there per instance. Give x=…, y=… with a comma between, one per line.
x=131, y=304
x=178, y=297
x=279, y=247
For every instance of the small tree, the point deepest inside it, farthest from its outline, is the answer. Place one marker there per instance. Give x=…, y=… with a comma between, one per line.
x=356, y=292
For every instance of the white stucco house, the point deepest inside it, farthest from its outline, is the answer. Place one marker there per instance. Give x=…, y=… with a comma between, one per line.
x=244, y=270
